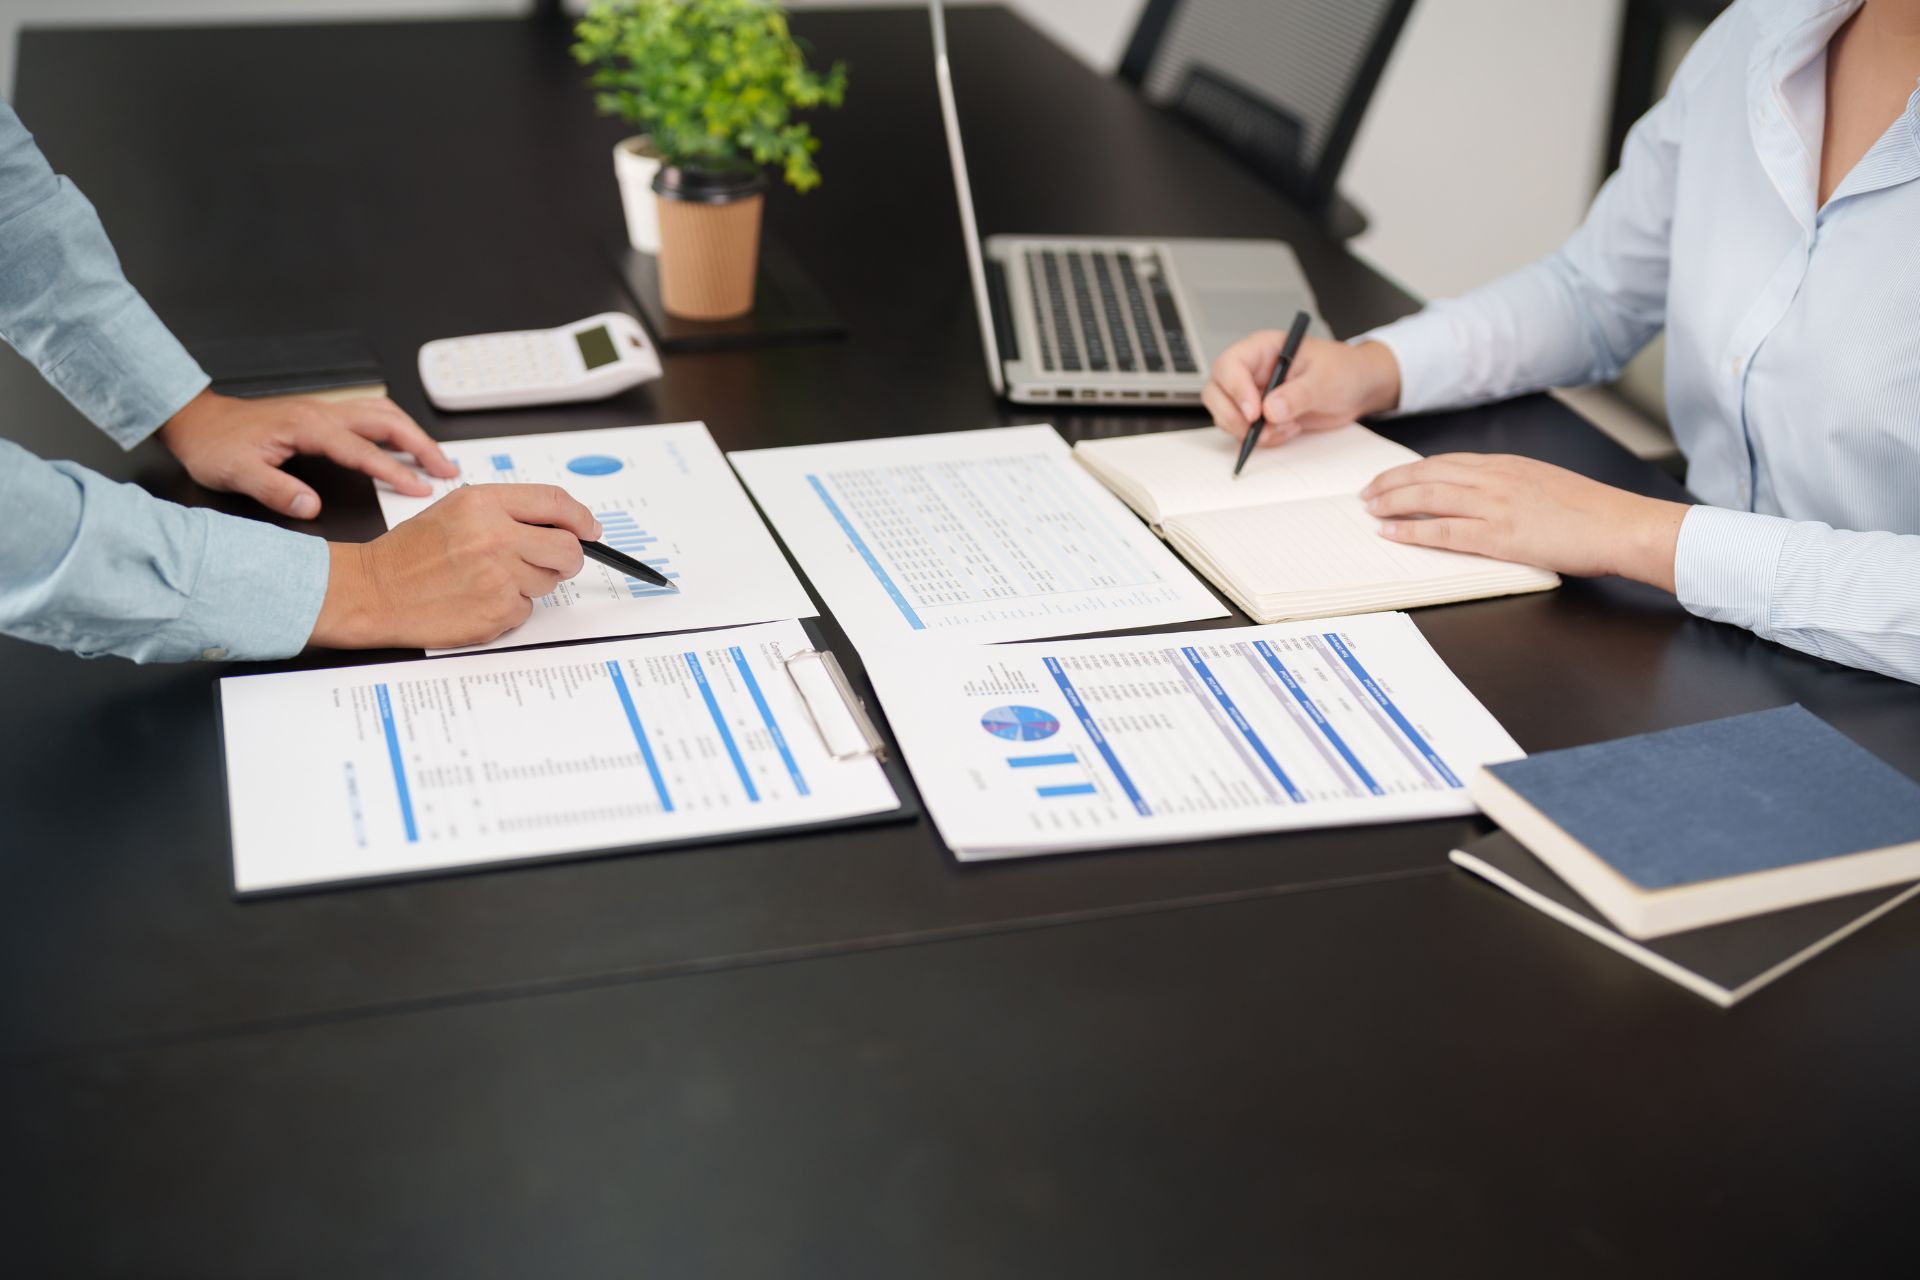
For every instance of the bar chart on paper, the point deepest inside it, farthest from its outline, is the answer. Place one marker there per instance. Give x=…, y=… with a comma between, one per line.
x=1047, y=746
x=664, y=496
x=623, y=533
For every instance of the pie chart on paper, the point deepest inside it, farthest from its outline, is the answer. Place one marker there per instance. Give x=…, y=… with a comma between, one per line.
x=1020, y=724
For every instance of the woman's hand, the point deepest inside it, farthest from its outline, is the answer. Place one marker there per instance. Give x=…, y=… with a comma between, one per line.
x=461, y=572
x=1518, y=509
x=239, y=446
x=1330, y=385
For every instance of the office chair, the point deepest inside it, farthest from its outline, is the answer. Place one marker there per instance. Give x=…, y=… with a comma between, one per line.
x=1280, y=85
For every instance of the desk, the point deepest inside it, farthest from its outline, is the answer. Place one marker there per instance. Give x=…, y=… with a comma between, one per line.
x=1305, y=1053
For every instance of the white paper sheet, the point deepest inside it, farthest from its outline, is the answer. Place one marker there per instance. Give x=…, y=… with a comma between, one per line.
x=664, y=495
x=1078, y=744
x=975, y=535
x=405, y=767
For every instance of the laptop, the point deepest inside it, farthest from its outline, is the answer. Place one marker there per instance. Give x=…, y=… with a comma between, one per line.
x=1094, y=318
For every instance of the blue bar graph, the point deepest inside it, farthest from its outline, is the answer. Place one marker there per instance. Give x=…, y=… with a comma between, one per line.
x=502, y=462
x=1040, y=762
x=622, y=532
x=1068, y=789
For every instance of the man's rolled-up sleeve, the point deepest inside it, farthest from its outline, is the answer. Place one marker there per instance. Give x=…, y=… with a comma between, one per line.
x=66, y=307
x=103, y=568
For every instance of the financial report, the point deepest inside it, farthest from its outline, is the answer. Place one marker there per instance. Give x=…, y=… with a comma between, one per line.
x=665, y=496
x=365, y=772
x=1046, y=747
x=974, y=535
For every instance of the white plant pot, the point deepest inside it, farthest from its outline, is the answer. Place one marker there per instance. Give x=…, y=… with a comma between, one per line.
x=634, y=165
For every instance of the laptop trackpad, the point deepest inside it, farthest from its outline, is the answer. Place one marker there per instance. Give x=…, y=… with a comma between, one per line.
x=1238, y=311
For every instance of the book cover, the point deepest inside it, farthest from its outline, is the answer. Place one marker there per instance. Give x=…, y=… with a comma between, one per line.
x=1689, y=826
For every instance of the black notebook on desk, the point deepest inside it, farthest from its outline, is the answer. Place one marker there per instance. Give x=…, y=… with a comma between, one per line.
x=479, y=761
x=334, y=364
x=1725, y=962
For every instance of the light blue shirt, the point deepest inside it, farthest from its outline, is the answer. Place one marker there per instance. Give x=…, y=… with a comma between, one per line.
x=87, y=564
x=1793, y=337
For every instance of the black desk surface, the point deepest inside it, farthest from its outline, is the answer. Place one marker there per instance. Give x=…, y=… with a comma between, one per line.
x=1320, y=1052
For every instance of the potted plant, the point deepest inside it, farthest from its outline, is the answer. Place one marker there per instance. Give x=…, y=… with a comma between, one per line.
x=714, y=83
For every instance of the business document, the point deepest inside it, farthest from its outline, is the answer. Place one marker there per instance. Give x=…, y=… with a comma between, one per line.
x=665, y=496
x=367, y=772
x=1053, y=746
x=979, y=536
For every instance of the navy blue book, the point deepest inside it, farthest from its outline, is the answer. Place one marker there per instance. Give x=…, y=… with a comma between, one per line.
x=1711, y=822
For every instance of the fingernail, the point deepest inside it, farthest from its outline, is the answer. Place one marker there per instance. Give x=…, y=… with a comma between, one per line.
x=305, y=507
x=1277, y=410
x=597, y=531
x=1249, y=409
x=1372, y=503
x=1388, y=529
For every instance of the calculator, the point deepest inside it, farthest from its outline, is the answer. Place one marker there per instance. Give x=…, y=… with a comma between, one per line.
x=589, y=359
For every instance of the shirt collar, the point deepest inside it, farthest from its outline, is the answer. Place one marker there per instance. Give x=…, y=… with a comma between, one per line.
x=1786, y=99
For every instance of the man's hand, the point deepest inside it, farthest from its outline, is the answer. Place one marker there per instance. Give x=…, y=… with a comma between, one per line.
x=1518, y=509
x=1330, y=385
x=461, y=572
x=239, y=446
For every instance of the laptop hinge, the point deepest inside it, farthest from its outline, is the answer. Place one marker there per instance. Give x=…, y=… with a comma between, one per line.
x=1002, y=310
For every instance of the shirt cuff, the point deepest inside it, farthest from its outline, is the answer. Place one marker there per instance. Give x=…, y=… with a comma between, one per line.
x=258, y=592
x=1724, y=565
x=1427, y=352
x=128, y=374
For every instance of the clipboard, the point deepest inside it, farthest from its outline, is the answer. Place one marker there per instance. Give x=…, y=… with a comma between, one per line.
x=836, y=712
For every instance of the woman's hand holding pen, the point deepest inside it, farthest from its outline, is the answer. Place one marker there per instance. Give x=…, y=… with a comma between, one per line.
x=461, y=572
x=1329, y=385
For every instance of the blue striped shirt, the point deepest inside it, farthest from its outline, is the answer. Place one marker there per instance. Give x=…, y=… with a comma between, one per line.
x=1793, y=337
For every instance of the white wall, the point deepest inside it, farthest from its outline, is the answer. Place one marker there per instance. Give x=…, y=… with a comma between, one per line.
x=1481, y=150
x=1484, y=143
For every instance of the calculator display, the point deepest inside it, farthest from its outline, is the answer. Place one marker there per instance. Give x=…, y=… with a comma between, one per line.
x=596, y=346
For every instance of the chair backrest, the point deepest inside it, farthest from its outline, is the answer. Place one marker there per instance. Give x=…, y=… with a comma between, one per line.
x=1280, y=83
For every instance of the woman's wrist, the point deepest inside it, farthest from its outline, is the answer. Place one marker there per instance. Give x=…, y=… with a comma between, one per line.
x=1380, y=373
x=1650, y=541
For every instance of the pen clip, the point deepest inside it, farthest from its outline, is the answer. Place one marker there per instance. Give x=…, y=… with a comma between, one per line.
x=856, y=710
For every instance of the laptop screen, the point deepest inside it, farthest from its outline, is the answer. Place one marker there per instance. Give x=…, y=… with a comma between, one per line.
x=963, y=191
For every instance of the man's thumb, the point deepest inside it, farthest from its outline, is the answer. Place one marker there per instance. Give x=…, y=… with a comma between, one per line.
x=276, y=490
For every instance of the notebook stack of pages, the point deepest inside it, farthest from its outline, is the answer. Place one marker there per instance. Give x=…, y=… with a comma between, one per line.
x=1290, y=537
x=1740, y=846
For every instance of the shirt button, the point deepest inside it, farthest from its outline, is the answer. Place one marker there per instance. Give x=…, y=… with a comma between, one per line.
x=214, y=654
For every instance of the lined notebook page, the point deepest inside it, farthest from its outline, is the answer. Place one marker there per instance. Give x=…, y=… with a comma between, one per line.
x=1184, y=472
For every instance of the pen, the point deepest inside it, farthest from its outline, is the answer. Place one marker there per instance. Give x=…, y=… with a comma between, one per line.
x=1287, y=351
x=619, y=561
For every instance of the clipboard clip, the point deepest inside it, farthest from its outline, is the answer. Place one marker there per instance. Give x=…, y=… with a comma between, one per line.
x=850, y=702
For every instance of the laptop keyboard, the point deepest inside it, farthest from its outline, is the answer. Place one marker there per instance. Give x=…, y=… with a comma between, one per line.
x=1106, y=310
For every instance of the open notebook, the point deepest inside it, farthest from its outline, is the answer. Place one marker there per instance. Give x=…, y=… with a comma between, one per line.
x=1290, y=538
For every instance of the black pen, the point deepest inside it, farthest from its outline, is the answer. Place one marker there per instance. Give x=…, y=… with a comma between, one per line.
x=618, y=561
x=621, y=562
x=1288, y=350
